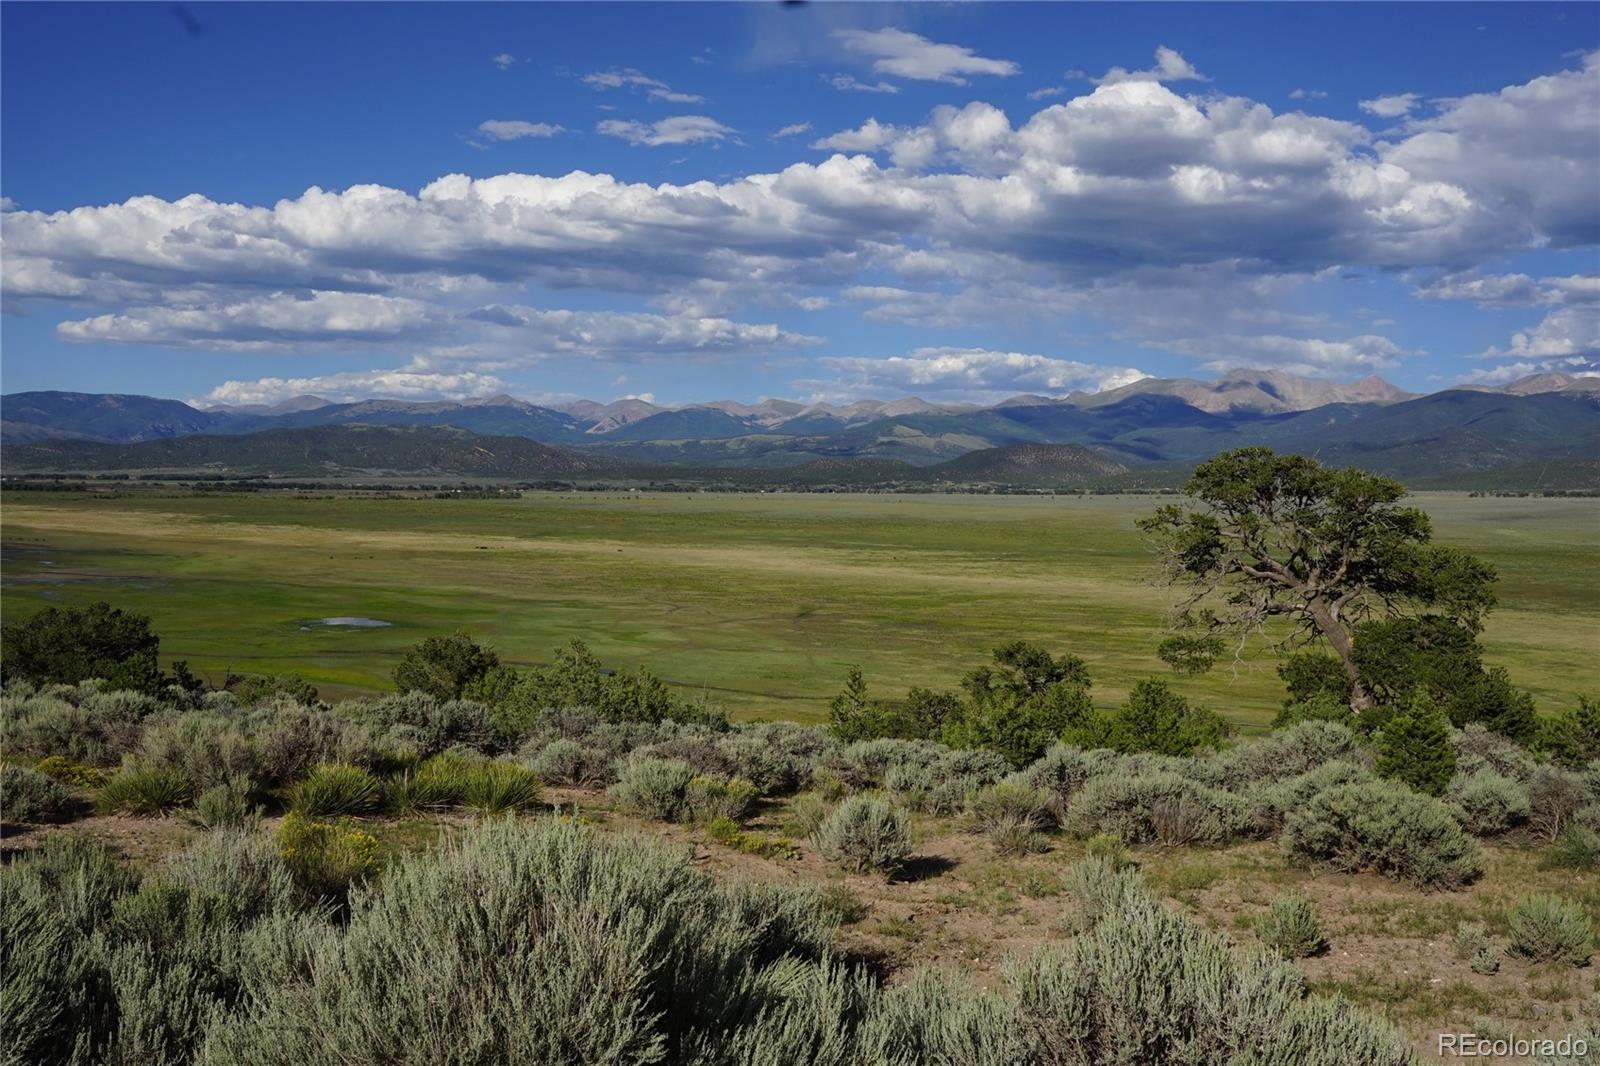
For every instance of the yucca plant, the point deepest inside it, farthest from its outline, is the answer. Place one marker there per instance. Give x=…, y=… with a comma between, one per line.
x=437, y=784
x=335, y=789
x=145, y=790
x=498, y=787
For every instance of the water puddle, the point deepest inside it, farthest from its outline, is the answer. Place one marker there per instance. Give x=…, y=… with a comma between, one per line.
x=353, y=621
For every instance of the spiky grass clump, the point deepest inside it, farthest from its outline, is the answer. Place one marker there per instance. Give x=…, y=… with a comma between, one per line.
x=498, y=787
x=334, y=789
x=1550, y=928
x=142, y=789
x=436, y=784
x=866, y=833
x=1291, y=928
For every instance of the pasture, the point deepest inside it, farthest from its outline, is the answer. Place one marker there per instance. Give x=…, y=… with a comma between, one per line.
x=762, y=601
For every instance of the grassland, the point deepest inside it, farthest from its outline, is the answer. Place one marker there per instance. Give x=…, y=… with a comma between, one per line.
x=762, y=601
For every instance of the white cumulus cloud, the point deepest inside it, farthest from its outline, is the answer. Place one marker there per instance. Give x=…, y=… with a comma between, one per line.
x=515, y=129
x=902, y=54
x=679, y=129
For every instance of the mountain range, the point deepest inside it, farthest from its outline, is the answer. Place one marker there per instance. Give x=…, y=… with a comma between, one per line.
x=1436, y=438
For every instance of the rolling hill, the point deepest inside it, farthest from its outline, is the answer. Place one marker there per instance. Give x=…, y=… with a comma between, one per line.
x=1428, y=439
x=324, y=451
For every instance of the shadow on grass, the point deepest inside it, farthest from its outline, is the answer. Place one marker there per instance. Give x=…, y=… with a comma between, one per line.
x=924, y=868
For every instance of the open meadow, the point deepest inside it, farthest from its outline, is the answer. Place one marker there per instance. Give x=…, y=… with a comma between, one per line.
x=760, y=601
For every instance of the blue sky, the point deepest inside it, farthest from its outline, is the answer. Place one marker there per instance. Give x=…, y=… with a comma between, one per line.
x=690, y=202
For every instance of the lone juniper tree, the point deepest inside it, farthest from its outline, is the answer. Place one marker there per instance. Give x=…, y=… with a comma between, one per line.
x=1270, y=536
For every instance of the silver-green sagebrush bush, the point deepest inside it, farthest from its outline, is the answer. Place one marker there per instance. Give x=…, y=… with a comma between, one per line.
x=1291, y=928
x=547, y=942
x=1011, y=815
x=866, y=833
x=1385, y=827
x=1488, y=803
x=1550, y=929
x=658, y=788
x=542, y=943
x=26, y=795
x=1155, y=807
x=1099, y=885
x=565, y=762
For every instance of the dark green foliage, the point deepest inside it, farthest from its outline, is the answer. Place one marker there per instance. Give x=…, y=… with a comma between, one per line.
x=1571, y=737
x=577, y=682
x=851, y=715
x=1020, y=731
x=335, y=789
x=1309, y=674
x=250, y=689
x=1017, y=706
x=1324, y=707
x=922, y=715
x=28, y=796
x=1282, y=535
x=1154, y=719
x=443, y=667
x=66, y=645
x=1387, y=828
x=1415, y=747
x=1023, y=671
x=1021, y=704
x=1441, y=656
x=1550, y=928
